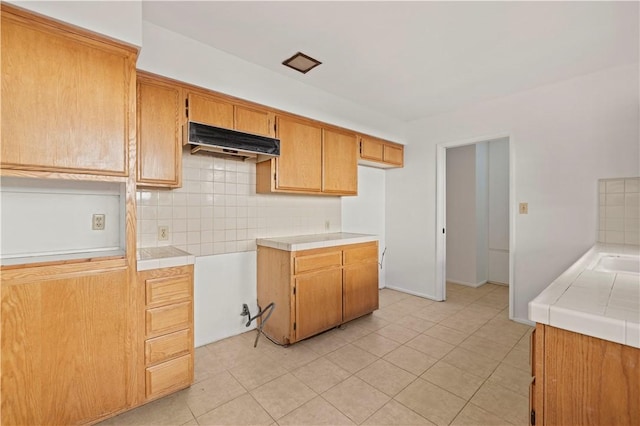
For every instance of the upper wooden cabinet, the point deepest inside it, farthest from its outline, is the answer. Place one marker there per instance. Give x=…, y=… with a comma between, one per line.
x=313, y=160
x=380, y=153
x=160, y=121
x=67, y=97
x=222, y=112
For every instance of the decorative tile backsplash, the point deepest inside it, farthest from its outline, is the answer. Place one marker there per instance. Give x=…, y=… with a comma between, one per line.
x=218, y=211
x=619, y=211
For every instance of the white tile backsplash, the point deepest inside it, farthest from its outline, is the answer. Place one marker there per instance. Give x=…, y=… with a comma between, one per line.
x=218, y=211
x=619, y=211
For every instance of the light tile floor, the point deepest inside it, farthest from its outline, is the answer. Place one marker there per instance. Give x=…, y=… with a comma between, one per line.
x=412, y=362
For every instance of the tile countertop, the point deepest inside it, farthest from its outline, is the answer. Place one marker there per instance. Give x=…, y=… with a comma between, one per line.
x=163, y=257
x=307, y=242
x=598, y=303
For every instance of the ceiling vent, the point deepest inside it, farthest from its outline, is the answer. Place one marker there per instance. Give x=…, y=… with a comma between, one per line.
x=301, y=62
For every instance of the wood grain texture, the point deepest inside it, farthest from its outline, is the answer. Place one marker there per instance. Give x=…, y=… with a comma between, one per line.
x=169, y=289
x=274, y=275
x=393, y=154
x=589, y=381
x=169, y=346
x=210, y=110
x=358, y=253
x=64, y=348
x=318, y=302
x=380, y=153
x=256, y=121
x=61, y=90
x=339, y=162
x=169, y=376
x=166, y=319
x=536, y=390
x=160, y=111
x=371, y=149
x=312, y=262
x=299, y=166
x=360, y=290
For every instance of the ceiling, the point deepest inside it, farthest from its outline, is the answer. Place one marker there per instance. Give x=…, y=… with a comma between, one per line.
x=409, y=60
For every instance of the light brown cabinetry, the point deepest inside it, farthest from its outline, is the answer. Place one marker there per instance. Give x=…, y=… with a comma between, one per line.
x=315, y=290
x=167, y=335
x=67, y=97
x=313, y=160
x=160, y=112
x=583, y=380
x=380, y=153
x=66, y=347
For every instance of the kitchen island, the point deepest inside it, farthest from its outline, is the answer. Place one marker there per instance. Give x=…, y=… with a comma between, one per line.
x=317, y=282
x=585, y=350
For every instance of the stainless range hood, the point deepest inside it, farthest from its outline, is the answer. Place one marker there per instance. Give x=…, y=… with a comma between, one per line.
x=206, y=139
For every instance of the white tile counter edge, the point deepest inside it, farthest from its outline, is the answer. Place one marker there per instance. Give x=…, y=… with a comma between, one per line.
x=308, y=242
x=542, y=309
x=163, y=257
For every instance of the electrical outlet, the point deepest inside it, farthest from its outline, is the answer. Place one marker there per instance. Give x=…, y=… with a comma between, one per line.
x=163, y=233
x=97, y=222
x=524, y=208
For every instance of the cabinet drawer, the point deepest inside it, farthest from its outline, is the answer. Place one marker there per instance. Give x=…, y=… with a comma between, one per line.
x=167, y=346
x=168, y=376
x=317, y=261
x=168, y=289
x=368, y=253
x=168, y=318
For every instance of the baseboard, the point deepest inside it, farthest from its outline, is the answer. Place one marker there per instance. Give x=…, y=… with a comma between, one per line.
x=524, y=321
x=476, y=285
x=413, y=293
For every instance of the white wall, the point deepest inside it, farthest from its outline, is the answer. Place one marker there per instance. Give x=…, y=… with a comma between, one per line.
x=461, y=215
x=364, y=213
x=482, y=212
x=121, y=20
x=498, y=256
x=564, y=137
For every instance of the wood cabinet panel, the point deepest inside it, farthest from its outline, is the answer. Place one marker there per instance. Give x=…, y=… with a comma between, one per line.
x=371, y=149
x=589, y=381
x=168, y=289
x=169, y=376
x=361, y=253
x=317, y=261
x=168, y=318
x=66, y=99
x=255, y=121
x=160, y=113
x=65, y=348
x=360, y=290
x=380, y=153
x=339, y=162
x=299, y=166
x=393, y=155
x=168, y=346
x=318, y=302
x=209, y=110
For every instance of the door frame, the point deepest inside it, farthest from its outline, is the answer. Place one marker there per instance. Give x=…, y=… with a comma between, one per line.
x=441, y=212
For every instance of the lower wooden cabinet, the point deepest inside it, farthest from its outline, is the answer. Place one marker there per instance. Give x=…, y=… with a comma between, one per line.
x=167, y=335
x=315, y=290
x=583, y=380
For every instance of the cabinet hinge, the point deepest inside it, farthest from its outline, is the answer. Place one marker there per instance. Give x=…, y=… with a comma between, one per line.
x=361, y=147
x=275, y=176
x=294, y=326
x=186, y=107
x=533, y=415
x=294, y=290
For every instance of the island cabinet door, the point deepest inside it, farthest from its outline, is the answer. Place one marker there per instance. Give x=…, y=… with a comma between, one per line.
x=360, y=290
x=318, y=302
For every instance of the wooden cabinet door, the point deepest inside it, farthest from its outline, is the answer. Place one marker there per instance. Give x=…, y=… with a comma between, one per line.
x=66, y=99
x=371, y=149
x=65, y=349
x=159, y=134
x=318, y=302
x=254, y=121
x=360, y=290
x=393, y=155
x=209, y=110
x=340, y=163
x=299, y=166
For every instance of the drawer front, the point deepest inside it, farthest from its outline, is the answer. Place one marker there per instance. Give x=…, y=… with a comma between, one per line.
x=168, y=376
x=168, y=289
x=317, y=261
x=168, y=318
x=368, y=253
x=166, y=347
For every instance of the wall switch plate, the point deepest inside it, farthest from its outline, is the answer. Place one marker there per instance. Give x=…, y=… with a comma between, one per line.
x=524, y=208
x=163, y=233
x=97, y=222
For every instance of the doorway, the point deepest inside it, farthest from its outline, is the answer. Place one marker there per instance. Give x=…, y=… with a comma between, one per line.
x=481, y=234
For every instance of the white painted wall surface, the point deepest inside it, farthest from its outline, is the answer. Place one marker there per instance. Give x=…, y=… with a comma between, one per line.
x=499, y=211
x=121, y=20
x=461, y=215
x=222, y=284
x=482, y=212
x=564, y=137
x=364, y=214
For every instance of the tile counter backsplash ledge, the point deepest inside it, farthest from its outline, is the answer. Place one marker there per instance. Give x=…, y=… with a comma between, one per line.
x=307, y=242
x=163, y=257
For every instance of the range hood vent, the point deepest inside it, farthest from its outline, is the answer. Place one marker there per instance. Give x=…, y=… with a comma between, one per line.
x=205, y=139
